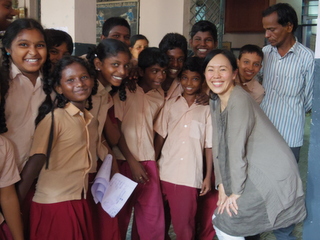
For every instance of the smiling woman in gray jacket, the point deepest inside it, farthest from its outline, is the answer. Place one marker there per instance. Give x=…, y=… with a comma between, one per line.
x=256, y=173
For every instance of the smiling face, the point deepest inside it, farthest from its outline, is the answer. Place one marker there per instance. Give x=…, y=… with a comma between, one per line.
x=191, y=82
x=176, y=61
x=249, y=65
x=75, y=84
x=120, y=33
x=139, y=45
x=113, y=69
x=29, y=52
x=202, y=43
x=276, y=34
x=220, y=76
x=6, y=13
x=152, y=77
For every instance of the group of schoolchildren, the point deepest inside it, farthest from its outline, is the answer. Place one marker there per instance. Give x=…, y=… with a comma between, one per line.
x=148, y=107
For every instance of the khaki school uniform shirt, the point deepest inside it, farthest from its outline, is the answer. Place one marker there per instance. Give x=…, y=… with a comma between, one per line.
x=9, y=173
x=175, y=89
x=101, y=102
x=21, y=109
x=137, y=115
x=70, y=161
x=188, y=132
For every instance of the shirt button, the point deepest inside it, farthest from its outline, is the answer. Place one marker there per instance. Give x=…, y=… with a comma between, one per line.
x=181, y=159
x=185, y=126
x=183, y=142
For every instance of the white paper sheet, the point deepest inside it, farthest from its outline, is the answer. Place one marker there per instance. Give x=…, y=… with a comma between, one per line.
x=112, y=194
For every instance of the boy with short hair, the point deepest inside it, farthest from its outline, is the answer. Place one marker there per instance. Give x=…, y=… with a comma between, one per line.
x=204, y=38
x=184, y=130
x=249, y=64
x=175, y=46
x=116, y=28
x=136, y=116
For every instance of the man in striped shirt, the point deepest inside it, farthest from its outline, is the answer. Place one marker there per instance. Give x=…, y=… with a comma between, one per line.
x=287, y=75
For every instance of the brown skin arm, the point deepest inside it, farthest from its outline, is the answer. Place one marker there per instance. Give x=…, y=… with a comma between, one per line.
x=202, y=99
x=139, y=174
x=114, y=167
x=206, y=185
x=158, y=144
x=11, y=210
x=29, y=173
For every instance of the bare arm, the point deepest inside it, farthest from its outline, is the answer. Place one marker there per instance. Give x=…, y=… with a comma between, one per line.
x=29, y=173
x=158, y=144
x=206, y=185
x=11, y=210
x=139, y=174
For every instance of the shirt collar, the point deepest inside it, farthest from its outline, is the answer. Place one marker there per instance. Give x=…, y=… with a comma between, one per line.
x=103, y=90
x=15, y=72
x=293, y=49
x=72, y=110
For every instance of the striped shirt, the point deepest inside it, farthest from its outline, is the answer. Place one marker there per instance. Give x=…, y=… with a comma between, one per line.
x=288, y=82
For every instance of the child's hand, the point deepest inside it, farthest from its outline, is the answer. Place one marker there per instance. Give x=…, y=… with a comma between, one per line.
x=206, y=186
x=139, y=174
x=202, y=99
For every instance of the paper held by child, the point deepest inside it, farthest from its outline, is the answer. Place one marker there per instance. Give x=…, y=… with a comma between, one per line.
x=111, y=193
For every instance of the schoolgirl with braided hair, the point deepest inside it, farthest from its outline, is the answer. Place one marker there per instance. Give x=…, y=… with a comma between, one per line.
x=60, y=157
x=25, y=69
x=110, y=59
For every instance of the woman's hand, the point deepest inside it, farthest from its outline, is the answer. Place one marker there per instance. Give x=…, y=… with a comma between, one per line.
x=206, y=186
x=222, y=198
x=139, y=174
x=230, y=205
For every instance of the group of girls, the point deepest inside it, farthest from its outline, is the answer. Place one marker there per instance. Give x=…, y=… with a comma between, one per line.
x=58, y=126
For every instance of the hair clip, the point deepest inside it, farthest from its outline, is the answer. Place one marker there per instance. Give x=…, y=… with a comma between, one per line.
x=95, y=55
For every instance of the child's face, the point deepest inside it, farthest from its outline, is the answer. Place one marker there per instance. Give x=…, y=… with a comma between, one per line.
x=220, y=75
x=75, y=84
x=249, y=65
x=29, y=52
x=113, y=69
x=57, y=52
x=121, y=33
x=138, y=47
x=153, y=76
x=202, y=43
x=6, y=13
x=191, y=82
x=176, y=61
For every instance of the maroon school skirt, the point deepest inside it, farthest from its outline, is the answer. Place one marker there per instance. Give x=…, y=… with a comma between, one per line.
x=67, y=220
x=5, y=233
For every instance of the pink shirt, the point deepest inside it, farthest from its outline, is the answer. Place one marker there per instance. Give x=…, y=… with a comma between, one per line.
x=70, y=160
x=255, y=89
x=188, y=132
x=101, y=103
x=9, y=173
x=21, y=109
x=175, y=89
x=137, y=115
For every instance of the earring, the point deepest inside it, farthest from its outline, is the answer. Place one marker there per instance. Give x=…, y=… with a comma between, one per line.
x=8, y=54
x=98, y=69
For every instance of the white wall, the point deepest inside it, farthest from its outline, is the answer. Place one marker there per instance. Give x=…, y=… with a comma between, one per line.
x=159, y=17
x=77, y=17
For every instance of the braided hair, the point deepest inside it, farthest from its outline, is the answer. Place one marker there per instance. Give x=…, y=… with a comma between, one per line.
x=105, y=49
x=60, y=100
x=10, y=35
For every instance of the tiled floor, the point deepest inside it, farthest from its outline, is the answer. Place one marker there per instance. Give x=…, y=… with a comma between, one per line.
x=303, y=166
